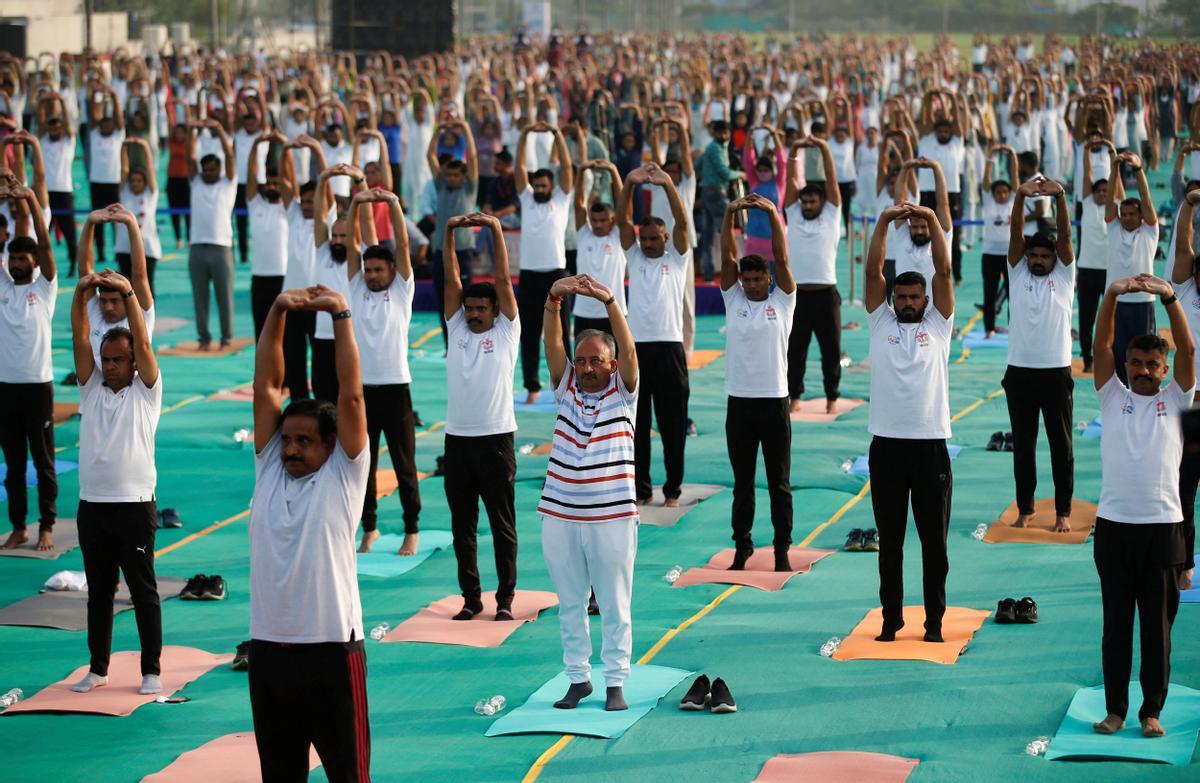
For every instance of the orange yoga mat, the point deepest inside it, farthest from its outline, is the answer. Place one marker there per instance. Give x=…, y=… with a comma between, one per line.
x=386, y=482
x=703, y=358
x=229, y=759
x=180, y=665
x=433, y=624
x=236, y=394
x=1041, y=529
x=814, y=410
x=192, y=348
x=64, y=411
x=759, y=572
x=958, y=626
x=1077, y=370
x=836, y=766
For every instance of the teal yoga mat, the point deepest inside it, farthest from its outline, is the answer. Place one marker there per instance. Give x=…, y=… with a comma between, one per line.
x=1180, y=717
x=382, y=560
x=646, y=685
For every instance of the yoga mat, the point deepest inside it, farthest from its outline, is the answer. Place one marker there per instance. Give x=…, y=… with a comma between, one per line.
x=236, y=394
x=645, y=686
x=64, y=411
x=180, y=665
x=66, y=538
x=760, y=568
x=814, y=410
x=433, y=624
x=977, y=338
x=1094, y=429
x=958, y=626
x=60, y=466
x=1041, y=529
x=67, y=609
x=654, y=513
x=229, y=759
x=168, y=323
x=192, y=348
x=386, y=482
x=1077, y=369
x=862, y=465
x=383, y=560
x=836, y=766
x=702, y=358
x=1180, y=717
x=545, y=401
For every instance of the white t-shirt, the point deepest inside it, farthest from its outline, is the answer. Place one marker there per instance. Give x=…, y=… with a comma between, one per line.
x=1039, y=324
x=381, y=320
x=144, y=207
x=58, y=157
x=479, y=377
x=303, y=569
x=301, y=249
x=843, y=159
x=1131, y=253
x=813, y=244
x=997, y=222
x=909, y=378
x=756, y=343
x=212, y=211
x=1189, y=297
x=603, y=259
x=269, y=237
x=105, y=152
x=99, y=327
x=660, y=207
x=209, y=143
x=116, y=440
x=656, y=288
x=951, y=156
x=1093, y=245
x=331, y=274
x=26, y=313
x=342, y=153
x=543, y=230
x=242, y=142
x=1140, y=451
x=1100, y=166
x=911, y=257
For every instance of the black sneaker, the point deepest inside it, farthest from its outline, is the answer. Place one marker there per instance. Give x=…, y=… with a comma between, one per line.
x=1008, y=441
x=698, y=695
x=241, y=658
x=1026, y=611
x=996, y=443
x=1006, y=611
x=194, y=588
x=169, y=517
x=854, y=541
x=214, y=589
x=870, y=540
x=721, y=700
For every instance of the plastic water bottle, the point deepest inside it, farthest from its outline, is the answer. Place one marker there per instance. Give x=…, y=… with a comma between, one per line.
x=845, y=360
x=380, y=631
x=673, y=574
x=11, y=698
x=1082, y=425
x=1038, y=746
x=980, y=532
x=526, y=449
x=490, y=706
x=418, y=353
x=243, y=435
x=847, y=465
x=831, y=646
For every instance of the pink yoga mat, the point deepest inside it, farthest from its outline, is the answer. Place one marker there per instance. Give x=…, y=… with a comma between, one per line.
x=433, y=624
x=760, y=568
x=814, y=410
x=180, y=665
x=229, y=759
x=837, y=766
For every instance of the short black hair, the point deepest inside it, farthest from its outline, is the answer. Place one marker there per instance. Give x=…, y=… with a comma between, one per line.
x=542, y=174
x=378, y=251
x=323, y=411
x=812, y=189
x=1150, y=343
x=23, y=245
x=504, y=156
x=1000, y=183
x=1042, y=240
x=1099, y=182
x=308, y=187
x=910, y=277
x=587, y=334
x=753, y=263
x=818, y=127
x=943, y=122
x=480, y=291
x=117, y=333
x=650, y=220
x=1028, y=158
x=454, y=165
x=599, y=206
x=719, y=126
x=210, y=158
x=1132, y=201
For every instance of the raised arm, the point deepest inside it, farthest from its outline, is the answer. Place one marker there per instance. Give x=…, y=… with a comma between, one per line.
x=81, y=341
x=268, y=366
x=625, y=207
x=580, y=200
x=833, y=193
x=873, y=279
x=252, y=167
x=942, y=196
x=351, y=408
x=1185, y=252
x=140, y=280
x=519, y=174
x=506, y=298
x=1181, y=332
x=1103, y=361
x=452, y=295
x=566, y=172
x=1016, y=222
x=1062, y=220
x=1114, y=185
x=678, y=212
x=1149, y=215
x=729, y=255
x=143, y=353
x=943, y=282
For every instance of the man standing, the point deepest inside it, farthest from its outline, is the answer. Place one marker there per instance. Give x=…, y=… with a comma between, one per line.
x=119, y=405
x=1139, y=550
x=301, y=260
x=545, y=210
x=1038, y=379
x=480, y=462
x=658, y=270
x=247, y=152
x=910, y=420
x=1185, y=277
x=758, y=321
x=306, y=634
x=600, y=255
x=105, y=139
x=335, y=244
x=943, y=143
x=58, y=154
x=1132, y=245
x=28, y=291
x=210, y=256
x=813, y=233
x=457, y=187
x=268, y=229
x=589, y=537
x=715, y=176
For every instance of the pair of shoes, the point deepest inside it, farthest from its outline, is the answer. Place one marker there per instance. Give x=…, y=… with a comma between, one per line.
x=1010, y=611
x=204, y=588
x=440, y=468
x=870, y=542
x=1008, y=441
x=169, y=517
x=860, y=540
x=224, y=343
x=996, y=442
x=241, y=658
x=716, y=697
x=468, y=611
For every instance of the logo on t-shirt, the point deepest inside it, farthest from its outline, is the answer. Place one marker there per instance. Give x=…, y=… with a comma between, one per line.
x=771, y=314
x=923, y=339
x=488, y=345
x=31, y=298
x=463, y=343
x=1196, y=303
x=1160, y=408
x=664, y=269
x=1127, y=408
x=893, y=339
x=743, y=312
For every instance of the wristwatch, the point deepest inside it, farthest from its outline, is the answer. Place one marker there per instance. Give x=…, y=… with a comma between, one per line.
x=127, y=294
x=1170, y=300
x=339, y=316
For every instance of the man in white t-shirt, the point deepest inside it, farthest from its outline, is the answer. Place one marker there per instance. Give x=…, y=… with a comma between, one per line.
x=382, y=288
x=599, y=254
x=335, y=243
x=28, y=292
x=210, y=255
x=106, y=307
x=120, y=401
x=106, y=136
x=1139, y=542
x=1093, y=256
x=480, y=463
x=545, y=211
x=245, y=149
x=1038, y=382
x=814, y=231
x=944, y=144
x=1132, y=245
x=757, y=328
x=301, y=269
x=658, y=271
x=58, y=155
x=306, y=630
x=1185, y=277
x=268, y=228
x=910, y=420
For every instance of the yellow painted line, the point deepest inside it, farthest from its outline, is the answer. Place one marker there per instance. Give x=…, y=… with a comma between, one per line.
x=970, y=325
x=849, y=504
x=181, y=403
x=202, y=533
x=426, y=337
x=437, y=425
x=975, y=405
x=544, y=759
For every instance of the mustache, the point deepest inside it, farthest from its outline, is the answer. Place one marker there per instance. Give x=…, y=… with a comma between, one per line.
x=293, y=459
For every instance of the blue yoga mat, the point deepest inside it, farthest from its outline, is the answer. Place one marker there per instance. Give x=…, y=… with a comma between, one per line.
x=1180, y=717
x=545, y=401
x=1191, y=596
x=646, y=685
x=862, y=467
x=1093, y=429
x=382, y=560
x=60, y=466
x=977, y=338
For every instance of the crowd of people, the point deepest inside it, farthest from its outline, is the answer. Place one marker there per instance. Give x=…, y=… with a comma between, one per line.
x=635, y=169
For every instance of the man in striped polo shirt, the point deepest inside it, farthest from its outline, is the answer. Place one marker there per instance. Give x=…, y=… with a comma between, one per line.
x=588, y=508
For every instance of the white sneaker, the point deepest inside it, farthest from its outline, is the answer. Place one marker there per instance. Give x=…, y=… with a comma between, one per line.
x=90, y=680
x=150, y=684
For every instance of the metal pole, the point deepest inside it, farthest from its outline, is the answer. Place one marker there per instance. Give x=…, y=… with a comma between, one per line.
x=87, y=10
x=213, y=19
x=850, y=247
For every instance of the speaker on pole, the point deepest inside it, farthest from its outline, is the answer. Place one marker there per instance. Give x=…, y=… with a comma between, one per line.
x=409, y=29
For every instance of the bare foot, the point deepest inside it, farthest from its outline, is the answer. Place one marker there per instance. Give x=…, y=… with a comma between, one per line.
x=990, y=334
x=1022, y=520
x=409, y=547
x=15, y=539
x=1062, y=524
x=831, y=406
x=531, y=398
x=1152, y=728
x=794, y=407
x=368, y=539
x=671, y=503
x=1110, y=725
x=642, y=501
x=1185, y=580
x=45, y=542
